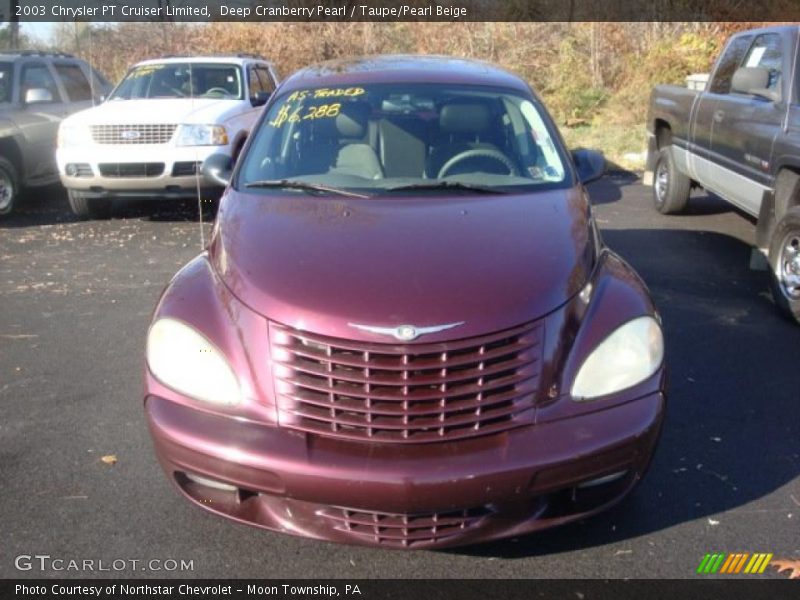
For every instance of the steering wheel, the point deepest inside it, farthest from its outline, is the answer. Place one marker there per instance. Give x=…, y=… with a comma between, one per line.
x=478, y=153
x=216, y=90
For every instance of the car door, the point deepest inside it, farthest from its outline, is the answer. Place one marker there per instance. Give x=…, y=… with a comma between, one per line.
x=745, y=127
x=39, y=121
x=702, y=163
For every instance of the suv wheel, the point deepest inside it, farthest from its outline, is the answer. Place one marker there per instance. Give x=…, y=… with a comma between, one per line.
x=9, y=186
x=89, y=208
x=784, y=261
x=671, y=188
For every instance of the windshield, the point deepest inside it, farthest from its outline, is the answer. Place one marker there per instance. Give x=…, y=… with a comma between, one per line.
x=181, y=80
x=399, y=138
x=6, y=74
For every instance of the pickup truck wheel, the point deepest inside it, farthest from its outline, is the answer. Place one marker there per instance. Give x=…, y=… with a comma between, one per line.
x=784, y=260
x=89, y=208
x=9, y=186
x=671, y=188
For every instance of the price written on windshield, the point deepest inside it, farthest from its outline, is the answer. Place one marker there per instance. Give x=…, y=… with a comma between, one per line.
x=293, y=111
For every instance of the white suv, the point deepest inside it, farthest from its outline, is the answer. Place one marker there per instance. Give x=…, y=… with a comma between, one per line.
x=152, y=134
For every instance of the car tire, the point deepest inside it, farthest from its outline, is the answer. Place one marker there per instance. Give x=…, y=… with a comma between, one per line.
x=784, y=262
x=89, y=208
x=9, y=186
x=671, y=188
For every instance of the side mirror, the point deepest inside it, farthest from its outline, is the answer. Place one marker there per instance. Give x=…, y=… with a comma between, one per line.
x=260, y=99
x=753, y=81
x=590, y=164
x=217, y=169
x=38, y=96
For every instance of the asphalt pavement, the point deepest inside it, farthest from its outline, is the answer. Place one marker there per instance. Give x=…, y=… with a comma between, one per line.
x=76, y=302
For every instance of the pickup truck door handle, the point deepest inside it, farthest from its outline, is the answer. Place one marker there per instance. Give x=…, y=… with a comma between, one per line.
x=719, y=115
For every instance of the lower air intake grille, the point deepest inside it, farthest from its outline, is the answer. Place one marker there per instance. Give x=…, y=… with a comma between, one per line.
x=404, y=530
x=182, y=169
x=131, y=169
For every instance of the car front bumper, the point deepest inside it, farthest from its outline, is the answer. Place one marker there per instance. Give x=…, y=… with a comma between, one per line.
x=407, y=496
x=135, y=170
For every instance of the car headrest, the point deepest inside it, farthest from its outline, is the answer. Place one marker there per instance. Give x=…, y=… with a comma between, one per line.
x=464, y=117
x=351, y=122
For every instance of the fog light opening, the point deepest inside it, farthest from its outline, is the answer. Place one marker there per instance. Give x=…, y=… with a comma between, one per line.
x=212, y=483
x=602, y=480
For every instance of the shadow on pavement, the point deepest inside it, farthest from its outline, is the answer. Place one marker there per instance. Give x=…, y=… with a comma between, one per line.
x=48, y=206
x=731, y=429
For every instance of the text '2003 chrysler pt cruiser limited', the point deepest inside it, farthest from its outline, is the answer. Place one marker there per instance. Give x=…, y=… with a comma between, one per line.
x=406, y=330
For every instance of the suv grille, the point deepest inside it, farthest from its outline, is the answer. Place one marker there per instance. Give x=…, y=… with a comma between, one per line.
x=406, y=393
x=404, y=530
x=131, y=169
x=133, y=134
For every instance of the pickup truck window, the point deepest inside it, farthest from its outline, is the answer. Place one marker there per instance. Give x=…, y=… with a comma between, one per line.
x=75, y=82
x=36, y=76
x=766, y=52
x=6, y=82
x=728, y=63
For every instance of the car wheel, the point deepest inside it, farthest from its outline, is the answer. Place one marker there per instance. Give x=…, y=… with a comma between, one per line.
x=9, y=186
x=784, y=261
x=671, y=188
x=89, y=208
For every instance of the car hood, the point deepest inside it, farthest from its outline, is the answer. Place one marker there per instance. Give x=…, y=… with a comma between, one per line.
x=167, y=110
x=324, y=263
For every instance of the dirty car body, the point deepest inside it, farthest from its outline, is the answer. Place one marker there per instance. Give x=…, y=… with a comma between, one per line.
x=406, y=331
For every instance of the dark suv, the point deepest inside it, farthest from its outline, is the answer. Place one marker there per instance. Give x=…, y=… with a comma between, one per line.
x=37, y=90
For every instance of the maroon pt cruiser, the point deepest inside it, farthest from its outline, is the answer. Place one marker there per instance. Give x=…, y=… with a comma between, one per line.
x=406, y=331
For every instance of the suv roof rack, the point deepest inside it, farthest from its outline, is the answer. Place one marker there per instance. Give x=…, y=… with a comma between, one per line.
x=232, y=55
x=37, y=53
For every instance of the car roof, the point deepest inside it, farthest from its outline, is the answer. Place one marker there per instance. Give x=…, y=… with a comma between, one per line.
x=232, y=59
x=14, y=55
x=403, y=68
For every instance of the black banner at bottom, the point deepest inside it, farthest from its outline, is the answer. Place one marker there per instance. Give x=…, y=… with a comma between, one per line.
x=416, y=589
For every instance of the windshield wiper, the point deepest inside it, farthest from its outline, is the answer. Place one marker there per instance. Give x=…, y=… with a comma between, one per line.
x=303, y=185
x=448, y=185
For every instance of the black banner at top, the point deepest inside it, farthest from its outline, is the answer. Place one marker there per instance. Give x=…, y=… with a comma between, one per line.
x=402, y=10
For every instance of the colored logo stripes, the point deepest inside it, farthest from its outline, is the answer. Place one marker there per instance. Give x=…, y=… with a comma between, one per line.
x=734, y=563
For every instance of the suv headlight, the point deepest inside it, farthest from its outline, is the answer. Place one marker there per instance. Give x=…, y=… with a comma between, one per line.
x=629, y=355
x=184, y=360
x=73, y=135
x=202, y=135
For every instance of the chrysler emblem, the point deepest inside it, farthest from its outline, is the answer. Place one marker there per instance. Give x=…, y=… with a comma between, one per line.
x=130, y=134
x=405, y=333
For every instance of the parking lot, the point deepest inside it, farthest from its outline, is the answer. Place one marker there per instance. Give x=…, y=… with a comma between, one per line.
x=77, y=298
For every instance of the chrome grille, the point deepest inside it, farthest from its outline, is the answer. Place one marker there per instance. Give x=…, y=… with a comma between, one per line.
x=156, y=133
x=404, y=529
x=406, y=393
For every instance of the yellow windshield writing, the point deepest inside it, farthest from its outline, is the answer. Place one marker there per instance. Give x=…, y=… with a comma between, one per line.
x=293, y=111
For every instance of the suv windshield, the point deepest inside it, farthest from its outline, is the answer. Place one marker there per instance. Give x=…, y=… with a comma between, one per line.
x=402, y=138
x=181, y=80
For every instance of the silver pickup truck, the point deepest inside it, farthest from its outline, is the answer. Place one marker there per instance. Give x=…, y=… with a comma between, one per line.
x=37, y=90
x=740, y=139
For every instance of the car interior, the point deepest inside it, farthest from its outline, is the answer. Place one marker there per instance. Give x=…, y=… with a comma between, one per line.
x=394, y=139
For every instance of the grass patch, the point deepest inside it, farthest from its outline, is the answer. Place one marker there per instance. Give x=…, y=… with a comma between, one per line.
x=623, y=145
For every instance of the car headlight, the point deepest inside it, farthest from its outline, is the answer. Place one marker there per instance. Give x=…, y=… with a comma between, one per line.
x=629, y=355
x=202, y=135
x=184, y=360
x=73, y=135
